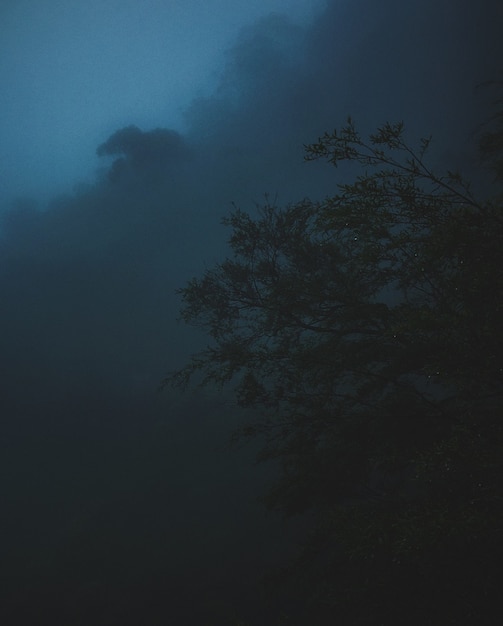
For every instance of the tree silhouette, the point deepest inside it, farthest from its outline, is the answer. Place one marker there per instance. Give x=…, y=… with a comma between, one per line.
x=365, y=330
x=147, y=153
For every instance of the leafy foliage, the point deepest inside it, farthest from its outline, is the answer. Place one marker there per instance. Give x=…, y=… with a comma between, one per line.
x=491, y=140
x=365, y=329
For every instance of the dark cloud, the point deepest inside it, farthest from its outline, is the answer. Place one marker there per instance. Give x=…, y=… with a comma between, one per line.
x=112, y=481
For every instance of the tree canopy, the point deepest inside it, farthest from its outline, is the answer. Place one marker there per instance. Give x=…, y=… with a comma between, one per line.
x=365, y=330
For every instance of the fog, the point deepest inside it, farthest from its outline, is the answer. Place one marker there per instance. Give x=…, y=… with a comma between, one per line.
x=122, y=504
x=74, y=72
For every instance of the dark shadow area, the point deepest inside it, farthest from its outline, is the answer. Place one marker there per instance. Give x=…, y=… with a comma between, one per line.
x=124, y=505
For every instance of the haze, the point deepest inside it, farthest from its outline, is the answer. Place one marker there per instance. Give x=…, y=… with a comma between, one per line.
x=72, y=72
x=127, y=130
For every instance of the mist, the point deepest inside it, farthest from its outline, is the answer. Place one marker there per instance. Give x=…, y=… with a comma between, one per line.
x=123, y=504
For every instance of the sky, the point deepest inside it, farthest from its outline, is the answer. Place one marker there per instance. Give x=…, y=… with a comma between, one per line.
x=128, y=130
x=72, y=72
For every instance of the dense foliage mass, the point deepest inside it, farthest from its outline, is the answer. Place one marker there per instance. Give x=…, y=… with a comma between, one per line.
x=365, y=329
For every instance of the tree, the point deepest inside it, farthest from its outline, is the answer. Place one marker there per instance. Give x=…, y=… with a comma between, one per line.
x=144, y=153
x=365, y=330
x=491, y=139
